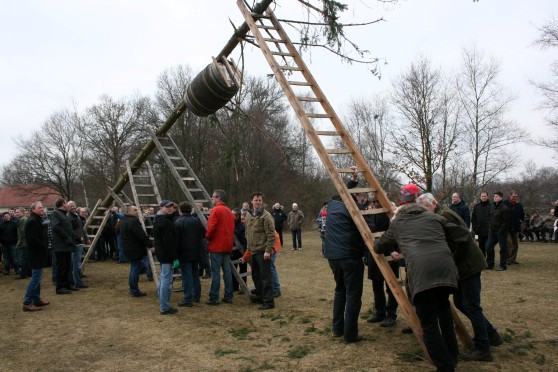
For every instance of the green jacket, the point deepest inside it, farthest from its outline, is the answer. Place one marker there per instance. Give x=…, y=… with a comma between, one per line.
x=21, y=243
x=260, y=231
x=467, y=256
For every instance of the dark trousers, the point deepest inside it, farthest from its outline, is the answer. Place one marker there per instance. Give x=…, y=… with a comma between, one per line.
x=347, y=301
x=297, y=238
x=261, y=274
x=467, y=300
x=495, y=236
x=482, y=240
x=63, y=269
x=434, y=312
x=382, y=307
x=280, y=232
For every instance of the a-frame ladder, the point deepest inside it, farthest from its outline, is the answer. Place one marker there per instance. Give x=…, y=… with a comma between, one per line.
x=145, y=194
x=321, y=124
x=93, y=229
x=193, y=189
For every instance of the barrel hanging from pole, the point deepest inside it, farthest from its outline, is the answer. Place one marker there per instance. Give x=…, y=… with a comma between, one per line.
x=211, y=89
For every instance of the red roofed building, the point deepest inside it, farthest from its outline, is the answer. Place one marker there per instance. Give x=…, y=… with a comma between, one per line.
x=25, y=195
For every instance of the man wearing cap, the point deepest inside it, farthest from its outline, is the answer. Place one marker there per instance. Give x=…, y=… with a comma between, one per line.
x=500, y=216
x=166, y=249
x=432, y=275
x=134, y=244
x=220, y=236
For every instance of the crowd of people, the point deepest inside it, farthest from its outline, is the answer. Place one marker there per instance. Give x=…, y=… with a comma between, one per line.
x=443, y=248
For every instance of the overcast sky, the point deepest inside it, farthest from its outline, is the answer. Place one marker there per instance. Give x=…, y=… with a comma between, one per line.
x=60, y=53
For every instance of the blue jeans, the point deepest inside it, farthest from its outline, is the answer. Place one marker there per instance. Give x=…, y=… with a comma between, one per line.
x=9, y=257
x=76, y=263
x=121, y=257
x=33, y=293
x=297, y=238
x=347, y=300
x=274, y=275
x=220, y=261
x=133, y=279
x=165, y=286
x=148, y=271
x=501, y=238
x=22, y=261
x=467, y=300
x=190, y=281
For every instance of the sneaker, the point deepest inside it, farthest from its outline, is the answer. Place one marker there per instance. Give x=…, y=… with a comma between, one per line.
x=172, y=310
x=502, y=268
x=293, y=249
x=496, y=339
x=389, y=321
x=477, y=355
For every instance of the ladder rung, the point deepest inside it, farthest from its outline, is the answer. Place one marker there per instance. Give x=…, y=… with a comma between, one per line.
x=175, y=157
x=283, y=54
x=327, y=133
x=339, y=151
x=318, y=116
x=143, y=185
x=378, y=235
x=195, y=190
x=290, y=68
x=358, y=190
x=348, y=170
x=374, y=211
x=201, y=200
x=168, y=147
x=270, y=40
x=91, y=236
x=99, y=217
x=299, y=83
x=244, y=275
x=188, y=179
x=259, y=15
x=181, y=168
x=102, y=208
x=267, y=27
x=147, y=195
x=309, y=99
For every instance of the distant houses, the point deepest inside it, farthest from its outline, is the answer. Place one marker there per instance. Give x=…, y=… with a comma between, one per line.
x=24, y=195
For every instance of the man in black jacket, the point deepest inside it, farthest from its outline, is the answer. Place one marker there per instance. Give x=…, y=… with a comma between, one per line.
x=481, y=221
x=62, y=246
x=500, y=216
x=37, y=256
x=190, y=235
x=517, y=214
x=8, y=240
x=134, y=244
x=166, y=245
x=279, y=216
x=79, y=240
x=458, y=206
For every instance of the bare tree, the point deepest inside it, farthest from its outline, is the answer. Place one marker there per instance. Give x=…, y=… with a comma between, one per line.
x=114, y=131
x=50, y=157
x=424, y=135
x=488, y=135
x=549, y=89
x=369, y=121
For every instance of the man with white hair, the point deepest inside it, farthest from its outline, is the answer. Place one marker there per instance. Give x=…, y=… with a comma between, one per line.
x=295, y=219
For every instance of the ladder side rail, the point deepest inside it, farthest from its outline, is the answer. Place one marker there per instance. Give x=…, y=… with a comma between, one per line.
x=153, y=183
x=93, y=213
x=116, y=198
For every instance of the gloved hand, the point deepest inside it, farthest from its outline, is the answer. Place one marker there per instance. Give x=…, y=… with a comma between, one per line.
x=175, y=264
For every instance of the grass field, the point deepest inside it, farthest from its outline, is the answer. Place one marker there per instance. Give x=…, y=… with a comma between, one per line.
x=102, y=328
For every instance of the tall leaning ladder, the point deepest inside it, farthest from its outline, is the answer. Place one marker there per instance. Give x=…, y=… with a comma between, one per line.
x=322, y=124
x=93, y=229
x=192, y=188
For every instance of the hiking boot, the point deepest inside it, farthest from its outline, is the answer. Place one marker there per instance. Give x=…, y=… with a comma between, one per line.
x=477, y=355
x=389, y=321
x=496, y=339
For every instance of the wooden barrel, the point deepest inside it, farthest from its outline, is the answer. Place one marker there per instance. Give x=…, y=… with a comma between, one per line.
x=210, y=90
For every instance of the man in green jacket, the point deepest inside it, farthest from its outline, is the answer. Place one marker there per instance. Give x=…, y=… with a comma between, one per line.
x=470, y=262
x=260, y=237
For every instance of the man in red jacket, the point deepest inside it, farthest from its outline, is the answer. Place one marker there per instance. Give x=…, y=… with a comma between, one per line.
x=220, y=234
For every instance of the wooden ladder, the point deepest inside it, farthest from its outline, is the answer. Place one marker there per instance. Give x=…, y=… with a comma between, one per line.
x=322, y=124
x=93, y=228
x=145, y=194
x=193, y=189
